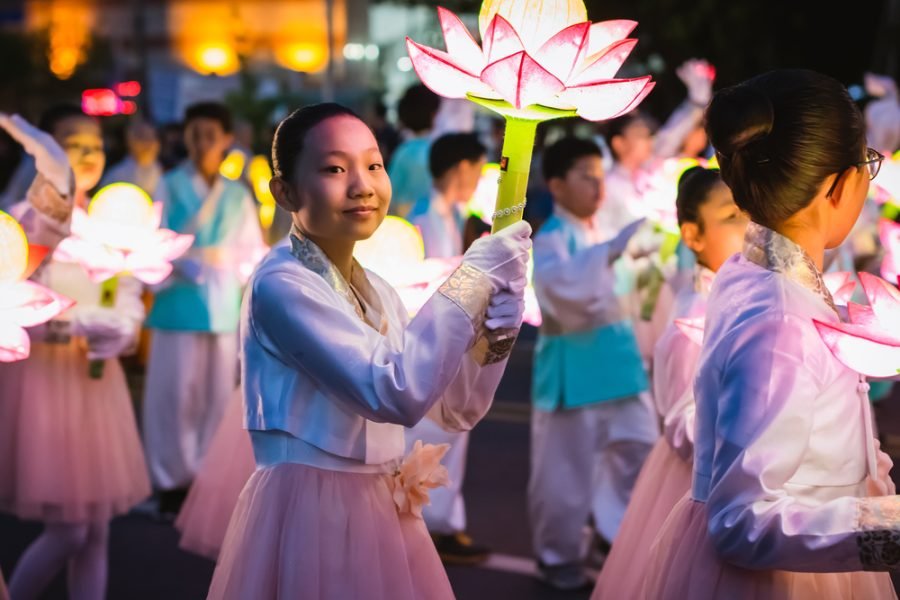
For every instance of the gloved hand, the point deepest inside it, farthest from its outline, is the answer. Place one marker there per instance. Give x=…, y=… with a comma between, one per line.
x=618, y=244
x=108, y=333
x=503, y=256
x=50, y=159
x=190, y=269
x=507, y=307
x=698, y=76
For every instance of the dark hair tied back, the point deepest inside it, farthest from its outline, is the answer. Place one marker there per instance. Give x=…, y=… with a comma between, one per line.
x=290, y=136
x=779, y=136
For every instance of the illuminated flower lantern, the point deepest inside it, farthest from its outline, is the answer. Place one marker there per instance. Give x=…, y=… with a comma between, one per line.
x=889, y=234
x=870, y=342
x=22, y=303
x=538, y=61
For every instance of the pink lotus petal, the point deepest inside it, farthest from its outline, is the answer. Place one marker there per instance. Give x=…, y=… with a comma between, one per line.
x=884, y=300
x=841, y=285
x=169, y=245
x=564, y=51
x=27, y=304
x=861, y=315
x=521, y=81
x=157, y=214
x=460, y=43
x=500, y=40
x=441, y=73
x=640, y=98
x=532, y=314
x=693, y=328
x=604, y=33
x=149, y=268
x=14, y=343
x=889, y=234
x=860, y=350
x=606, y=99
x=606, y=64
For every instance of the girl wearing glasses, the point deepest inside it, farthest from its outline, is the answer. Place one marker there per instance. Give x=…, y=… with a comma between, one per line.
x=790, y=495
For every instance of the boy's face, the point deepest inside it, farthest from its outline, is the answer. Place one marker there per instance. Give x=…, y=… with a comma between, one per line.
x=143, y=144
x=468, y=173
x=206, y=141
x=723, y=227
x=82, y=140
x=634, y=146
x=581, y=191
x=341, y=189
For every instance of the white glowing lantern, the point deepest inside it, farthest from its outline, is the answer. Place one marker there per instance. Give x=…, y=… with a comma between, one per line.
x=120, y=233
x=22, y=303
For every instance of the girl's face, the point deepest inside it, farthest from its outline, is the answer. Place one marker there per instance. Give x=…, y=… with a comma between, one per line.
x=82, y=140
x=720, y=233
x=341, y=190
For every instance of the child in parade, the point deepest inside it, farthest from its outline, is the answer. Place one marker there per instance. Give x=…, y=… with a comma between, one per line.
x=591, y=430
x=790, y=496
x=333, y=370
x=70, y=454
x=712, y=227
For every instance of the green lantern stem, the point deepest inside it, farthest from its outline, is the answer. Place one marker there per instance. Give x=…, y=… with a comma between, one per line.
x=108, y=291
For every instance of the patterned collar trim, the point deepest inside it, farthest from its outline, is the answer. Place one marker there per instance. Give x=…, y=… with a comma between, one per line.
x=774, y=252
x=356, y=292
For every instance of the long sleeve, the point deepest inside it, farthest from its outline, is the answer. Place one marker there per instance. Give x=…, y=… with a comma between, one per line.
x=294, y=316
x=45, y=214
x=680, y=123
x=574, y=291
x=763, y=511
x=674, y=365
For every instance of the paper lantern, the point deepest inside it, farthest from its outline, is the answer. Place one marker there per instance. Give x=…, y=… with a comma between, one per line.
x=539, y=60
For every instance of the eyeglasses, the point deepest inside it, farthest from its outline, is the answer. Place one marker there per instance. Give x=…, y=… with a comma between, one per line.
x=873, y=162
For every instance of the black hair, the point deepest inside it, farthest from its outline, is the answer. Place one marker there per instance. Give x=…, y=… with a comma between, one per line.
x=287, y=143
x=417, y=108
x=210, y=110
x=564, y=153
x=779, y=135
x=451, y=149
x=58, y=113
x=694, y=187
x=616, y=127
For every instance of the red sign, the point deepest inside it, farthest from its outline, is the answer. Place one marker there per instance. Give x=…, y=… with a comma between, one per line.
x=101, y=102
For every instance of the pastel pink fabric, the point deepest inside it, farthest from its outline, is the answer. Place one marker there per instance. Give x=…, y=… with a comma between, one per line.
x=304, y=533
x=69, y=445
x=4, y=594
x=684, y=564
x=664, y=480
x=223, y=473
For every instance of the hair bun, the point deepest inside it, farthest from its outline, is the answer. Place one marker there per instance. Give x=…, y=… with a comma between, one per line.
x=738, y=117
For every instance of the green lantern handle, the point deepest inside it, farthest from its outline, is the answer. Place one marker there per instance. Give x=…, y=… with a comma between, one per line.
x=108, y=291
x=518, y=145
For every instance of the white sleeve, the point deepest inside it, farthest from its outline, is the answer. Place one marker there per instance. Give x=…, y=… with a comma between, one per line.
x=680, y=123
x=766, y=406
x=45, y=214
x=674, y=365
x=574, y=290
x=294, y=319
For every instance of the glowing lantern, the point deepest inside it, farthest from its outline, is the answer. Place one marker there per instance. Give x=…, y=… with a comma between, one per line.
x=889, y=233
x=216, y=59
x=68, y=24
x=305, y=57
x=233, y=165
x=538, y=61
x=693, y=328
x=482, y=203
x=120, y=233
x=870, y=343
x=22, y=303
x=841, y=285
x=260, y=173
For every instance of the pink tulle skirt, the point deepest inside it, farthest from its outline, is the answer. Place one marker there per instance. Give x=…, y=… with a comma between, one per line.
x=69, y=445
x=303, y=533
x=684, y=565
x=664, y=480
x=223, y=473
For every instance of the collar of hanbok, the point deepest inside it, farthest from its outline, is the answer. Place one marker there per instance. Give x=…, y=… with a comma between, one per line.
x=358, y=291
x=774, y=252
x=593, y=231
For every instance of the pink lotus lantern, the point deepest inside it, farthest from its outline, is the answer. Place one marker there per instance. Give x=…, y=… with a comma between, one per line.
x=22, y=303
x=889, y=234
x=692, y=327
x=538, y=61
x=841, y=285
x=870, y=343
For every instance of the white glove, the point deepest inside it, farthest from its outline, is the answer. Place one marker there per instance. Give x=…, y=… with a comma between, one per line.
x=108, y=333
x=189, y=269
x=505, y=310
x=503, y=256
x=698, y=76
x=50, y=159
x=618, y=244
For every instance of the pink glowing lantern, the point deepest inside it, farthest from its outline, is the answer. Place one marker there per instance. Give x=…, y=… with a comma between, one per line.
x=22, y=303
x=119, y=234
x=841, y=285
x=870, y=343
x=538, y=61
x=889, y=234
x=692, y=327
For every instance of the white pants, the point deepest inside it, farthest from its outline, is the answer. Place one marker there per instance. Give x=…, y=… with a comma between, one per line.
x=584, y=461
x=447, y=512
x=190, y=378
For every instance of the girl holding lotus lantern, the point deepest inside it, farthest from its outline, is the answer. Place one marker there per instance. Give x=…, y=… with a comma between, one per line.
x=70, y=454
x=791, y=496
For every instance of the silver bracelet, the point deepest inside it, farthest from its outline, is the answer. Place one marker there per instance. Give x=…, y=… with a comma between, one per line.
x=507, y=212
